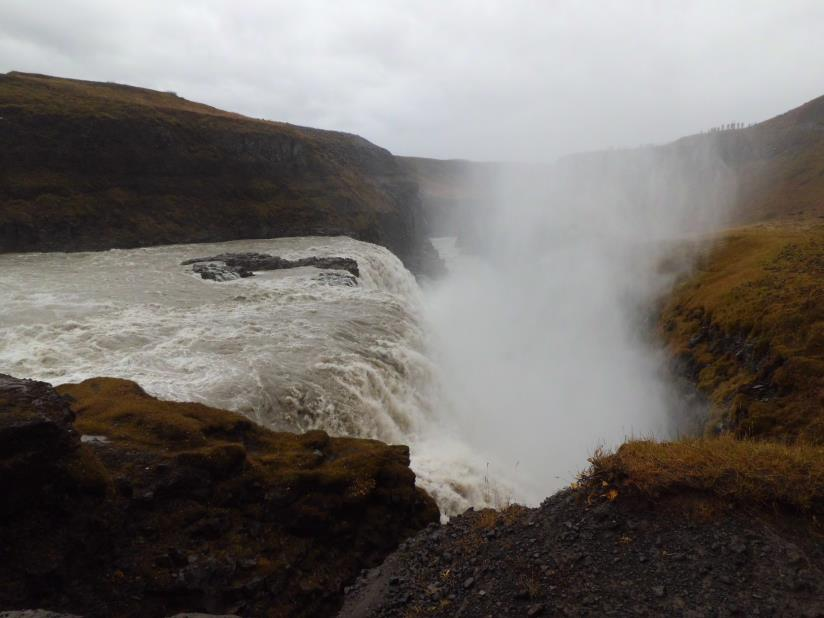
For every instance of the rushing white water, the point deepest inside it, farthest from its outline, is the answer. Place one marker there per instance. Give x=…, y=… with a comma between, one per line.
x=542, y=330
x=284, y=348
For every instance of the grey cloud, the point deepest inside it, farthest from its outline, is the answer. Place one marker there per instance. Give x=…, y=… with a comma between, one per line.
x=485, y=80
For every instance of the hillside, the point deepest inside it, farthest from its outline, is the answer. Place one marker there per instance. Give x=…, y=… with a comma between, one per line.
x=747, y=327
x=87, y=166
x=448, y=189
x=778, y=166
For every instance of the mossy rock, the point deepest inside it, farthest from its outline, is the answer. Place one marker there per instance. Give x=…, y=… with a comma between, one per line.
x=182, y=507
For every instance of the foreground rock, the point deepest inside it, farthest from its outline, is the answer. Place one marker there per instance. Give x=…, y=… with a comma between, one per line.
x=230, y=266
x=42, y=613
x=161, y=507
x=683, y=555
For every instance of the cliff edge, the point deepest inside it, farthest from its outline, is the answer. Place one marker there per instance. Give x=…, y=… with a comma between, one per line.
x=119, y=504
x=91, y=166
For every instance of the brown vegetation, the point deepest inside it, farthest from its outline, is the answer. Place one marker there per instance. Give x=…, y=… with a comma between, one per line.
x=169, y=507
x=748, y=327
x=743, y=471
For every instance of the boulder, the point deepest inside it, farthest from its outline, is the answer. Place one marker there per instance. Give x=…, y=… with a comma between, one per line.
x=229, y=266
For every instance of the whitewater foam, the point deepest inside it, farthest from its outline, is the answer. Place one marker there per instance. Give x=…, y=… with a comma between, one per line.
x=284, y=348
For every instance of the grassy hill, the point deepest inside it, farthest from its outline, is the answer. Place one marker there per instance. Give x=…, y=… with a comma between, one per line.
x=747, y=327
x=87, y=165
x=748, y=324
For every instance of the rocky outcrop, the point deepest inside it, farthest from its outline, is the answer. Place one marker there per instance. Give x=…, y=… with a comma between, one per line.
x=229, y=266
x=35, y=421
x=91, y=166
x=35, y=613
x=116, y=503
x=42, y=613
x=683, y=555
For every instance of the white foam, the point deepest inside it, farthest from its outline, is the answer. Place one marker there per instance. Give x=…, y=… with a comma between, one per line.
x=283, y=348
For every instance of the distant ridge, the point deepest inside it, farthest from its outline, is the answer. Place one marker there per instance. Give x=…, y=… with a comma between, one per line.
x=779, y=165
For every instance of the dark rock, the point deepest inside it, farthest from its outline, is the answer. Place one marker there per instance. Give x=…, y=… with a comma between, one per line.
x=229, y=266
x=602, y=574
x=197, y=615
x=35, y=422
x=185, y=506
x=218, y=271
x=35, y=613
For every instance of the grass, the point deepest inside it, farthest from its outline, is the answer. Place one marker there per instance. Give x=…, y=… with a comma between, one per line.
x=749, y=322
x=223, y=443
x=743, y=471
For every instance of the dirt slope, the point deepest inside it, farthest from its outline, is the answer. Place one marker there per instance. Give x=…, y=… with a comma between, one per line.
x=650, y=531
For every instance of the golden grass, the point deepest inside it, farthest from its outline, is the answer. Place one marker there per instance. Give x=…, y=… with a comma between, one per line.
x=223, y=442
x=745, y=471
x=751, y=320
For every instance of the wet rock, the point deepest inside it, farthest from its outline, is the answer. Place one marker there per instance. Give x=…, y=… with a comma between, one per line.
x=35, y=423
x=230, y=266
x=218, y=271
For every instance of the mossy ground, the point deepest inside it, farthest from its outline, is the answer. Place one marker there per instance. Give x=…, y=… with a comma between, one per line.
x=749, y=324
x=225, y=443
x=181, y=507
x=736, y=470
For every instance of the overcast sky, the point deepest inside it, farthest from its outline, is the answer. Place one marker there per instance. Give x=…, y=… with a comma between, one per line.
x=471, y=79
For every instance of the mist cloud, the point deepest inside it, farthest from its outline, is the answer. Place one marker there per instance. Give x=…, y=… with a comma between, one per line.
x=544, y=330
x=483, y=80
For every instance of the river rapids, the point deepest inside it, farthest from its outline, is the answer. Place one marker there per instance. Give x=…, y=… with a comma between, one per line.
x=285, y=348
